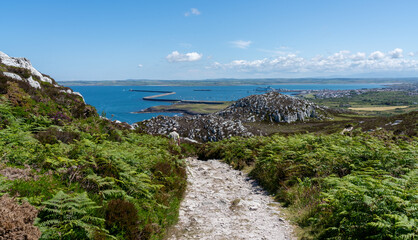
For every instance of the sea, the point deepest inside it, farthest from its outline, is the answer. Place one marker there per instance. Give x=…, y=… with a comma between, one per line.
x=119, y=103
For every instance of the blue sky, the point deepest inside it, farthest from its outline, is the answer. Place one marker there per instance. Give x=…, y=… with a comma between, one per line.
x=111, y=40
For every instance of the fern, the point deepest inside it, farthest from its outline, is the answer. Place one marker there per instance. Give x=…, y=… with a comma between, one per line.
x=70, y=217
x=4, y=185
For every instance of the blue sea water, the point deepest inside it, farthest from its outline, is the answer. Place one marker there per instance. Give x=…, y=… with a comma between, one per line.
x=118, y=103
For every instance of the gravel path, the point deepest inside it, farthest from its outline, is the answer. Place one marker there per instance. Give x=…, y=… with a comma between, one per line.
x=222, y=203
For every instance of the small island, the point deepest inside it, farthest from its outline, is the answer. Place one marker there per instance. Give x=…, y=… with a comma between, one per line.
x=188, y=108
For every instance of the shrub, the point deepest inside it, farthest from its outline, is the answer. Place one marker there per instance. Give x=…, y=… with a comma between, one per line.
x=16, y=221
x=52, y=135
x=122, y=219
x=3, y=84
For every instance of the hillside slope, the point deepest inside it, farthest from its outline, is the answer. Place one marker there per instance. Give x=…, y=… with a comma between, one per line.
x=89, y=177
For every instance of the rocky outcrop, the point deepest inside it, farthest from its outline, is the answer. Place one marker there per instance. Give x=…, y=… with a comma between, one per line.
x=273, y=107
x=24, y=86
x=21, y=69
x=201, y=127
x=269, y=107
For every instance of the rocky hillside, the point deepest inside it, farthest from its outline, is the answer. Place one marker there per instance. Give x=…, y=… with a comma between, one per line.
x=273, y=107
x=269, y=107
x=204, y=128
x=26, y=87
x=79, y=175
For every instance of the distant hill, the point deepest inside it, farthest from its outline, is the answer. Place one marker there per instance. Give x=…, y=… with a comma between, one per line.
x=233, y=81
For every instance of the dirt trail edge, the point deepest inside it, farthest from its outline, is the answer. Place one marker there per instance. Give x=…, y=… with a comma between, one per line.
x=222, y=203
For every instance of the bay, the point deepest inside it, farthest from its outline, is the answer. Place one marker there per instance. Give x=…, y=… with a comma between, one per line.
x=119, y=103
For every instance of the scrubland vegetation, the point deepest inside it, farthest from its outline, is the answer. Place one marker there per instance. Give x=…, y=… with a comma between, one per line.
x=362, y=186
x=86, y=177
x=67, y=173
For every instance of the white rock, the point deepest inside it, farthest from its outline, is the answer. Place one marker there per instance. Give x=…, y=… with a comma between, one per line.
x=22, y=63
x=12, y=75
x=79, y=94
x=33, y=82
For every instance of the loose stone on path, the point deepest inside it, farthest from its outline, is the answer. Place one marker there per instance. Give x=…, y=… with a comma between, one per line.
x=222, y=203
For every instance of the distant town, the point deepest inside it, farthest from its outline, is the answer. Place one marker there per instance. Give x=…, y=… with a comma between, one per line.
x=409, y=89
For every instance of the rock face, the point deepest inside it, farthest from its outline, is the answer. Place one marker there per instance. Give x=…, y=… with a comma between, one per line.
x=222, y=203
x=273, y=107
x=269, y=107
x=201, y=127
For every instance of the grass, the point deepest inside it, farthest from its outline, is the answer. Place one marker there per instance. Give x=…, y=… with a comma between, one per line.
x=374, y=103
x=190, y=108
x=371, y=108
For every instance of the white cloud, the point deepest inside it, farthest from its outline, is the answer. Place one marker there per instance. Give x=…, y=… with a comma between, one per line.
x=411, y=54
x=193, y=11
x=140, y=65
x=241, y=44
x=339, y=62
x=175, y=56
x=377, y=55
x=396, y=53
x=358, y=56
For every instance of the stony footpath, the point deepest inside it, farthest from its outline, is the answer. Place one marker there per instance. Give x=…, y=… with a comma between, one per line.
x=222, y=203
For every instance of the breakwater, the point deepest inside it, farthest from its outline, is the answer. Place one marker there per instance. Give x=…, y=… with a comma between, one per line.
x=156, y=98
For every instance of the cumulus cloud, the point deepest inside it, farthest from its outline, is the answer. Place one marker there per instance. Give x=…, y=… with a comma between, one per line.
x=193, y=11
x=342, y=61
x=358, y=56
x=183, y=57
x=377, y=55
x=241, y=44
x=396, y=53
x=411, y=54
x=140, y=65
